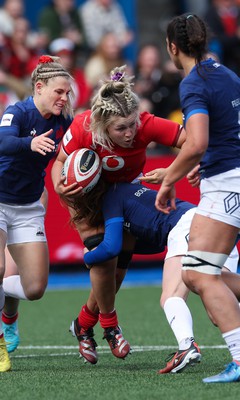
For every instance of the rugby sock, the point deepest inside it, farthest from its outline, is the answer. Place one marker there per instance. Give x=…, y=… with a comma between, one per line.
x=86, y=318
x=108, y=320
x=232, y=339
x=9, y=319
x=180, y=320
x=13, y=288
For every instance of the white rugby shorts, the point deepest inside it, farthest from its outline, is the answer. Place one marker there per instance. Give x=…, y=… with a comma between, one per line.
x=23, y=223
x=178, y=241
x=220, y=197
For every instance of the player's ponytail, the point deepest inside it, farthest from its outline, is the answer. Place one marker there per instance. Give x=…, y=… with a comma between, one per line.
x=189, y=33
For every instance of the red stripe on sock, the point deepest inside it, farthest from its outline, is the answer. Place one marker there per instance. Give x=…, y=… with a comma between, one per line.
x=7, y=319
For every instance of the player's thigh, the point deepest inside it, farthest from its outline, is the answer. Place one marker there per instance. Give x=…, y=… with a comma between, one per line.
x=208, y=234
x=10, y=265
x=129, y=241
x=3, y=239
x=85, y=230
x=172, y=283
x=120, y=275
x=32, y=260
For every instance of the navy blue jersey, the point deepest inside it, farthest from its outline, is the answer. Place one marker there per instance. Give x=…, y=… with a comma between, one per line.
x=22, y=171
x=215, y=90
x=134, y=206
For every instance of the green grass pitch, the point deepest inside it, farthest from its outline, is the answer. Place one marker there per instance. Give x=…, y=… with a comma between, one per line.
x=47, y=366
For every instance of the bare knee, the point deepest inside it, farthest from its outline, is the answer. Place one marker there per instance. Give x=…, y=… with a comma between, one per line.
x=179, y=290
x=35, y=291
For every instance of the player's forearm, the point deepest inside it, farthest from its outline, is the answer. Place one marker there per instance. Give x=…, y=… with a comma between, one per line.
x=188, y=157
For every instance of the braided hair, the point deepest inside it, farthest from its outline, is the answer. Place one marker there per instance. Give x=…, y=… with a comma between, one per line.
x=189, y=33
x=49, y=67
x=115, y=98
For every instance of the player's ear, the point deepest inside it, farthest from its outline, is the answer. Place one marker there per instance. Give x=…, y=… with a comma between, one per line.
x=38, y=87
x=174, y=49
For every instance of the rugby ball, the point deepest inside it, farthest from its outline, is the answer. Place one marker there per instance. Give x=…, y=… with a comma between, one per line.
x=84, y=167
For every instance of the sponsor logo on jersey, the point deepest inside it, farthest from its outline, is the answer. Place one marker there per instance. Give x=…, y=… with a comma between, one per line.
x=112, y=163
x=7, y=120
x=141, y=191
x=127, y=226
x=67, y=137
x=236, y=102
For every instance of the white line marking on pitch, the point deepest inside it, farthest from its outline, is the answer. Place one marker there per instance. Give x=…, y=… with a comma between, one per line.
x=101, y=350
x=136, y=348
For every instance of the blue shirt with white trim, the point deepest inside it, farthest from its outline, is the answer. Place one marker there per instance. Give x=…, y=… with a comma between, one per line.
x=22, y=171
x=213, y=89
x=133, y=206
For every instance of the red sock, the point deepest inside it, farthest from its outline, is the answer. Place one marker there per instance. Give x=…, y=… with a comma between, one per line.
x=108, y=320
x=86, y=318
x=9, y=319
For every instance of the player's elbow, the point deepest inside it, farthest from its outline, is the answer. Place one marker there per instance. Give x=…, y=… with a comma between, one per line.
x=112, y=254
x=114, y=251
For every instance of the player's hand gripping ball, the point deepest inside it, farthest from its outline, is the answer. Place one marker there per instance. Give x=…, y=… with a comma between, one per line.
x=84, y=167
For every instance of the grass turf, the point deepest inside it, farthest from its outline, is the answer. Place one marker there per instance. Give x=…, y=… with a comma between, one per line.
x=51, y=368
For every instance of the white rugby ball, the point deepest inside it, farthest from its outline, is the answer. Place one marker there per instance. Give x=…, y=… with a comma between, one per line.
x=84, y=167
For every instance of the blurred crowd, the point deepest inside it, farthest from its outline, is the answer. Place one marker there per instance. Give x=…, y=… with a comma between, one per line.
x=91, y=38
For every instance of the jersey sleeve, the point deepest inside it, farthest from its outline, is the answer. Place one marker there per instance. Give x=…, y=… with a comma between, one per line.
x=10, y=128
x=193, y=99
x=160, y=130
x=113, y=219
x=76, y=136
x=111, y=245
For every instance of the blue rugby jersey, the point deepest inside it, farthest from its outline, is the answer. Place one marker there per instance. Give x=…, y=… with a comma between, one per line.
x=134, y=206
x=22, y=171
x=215, y=90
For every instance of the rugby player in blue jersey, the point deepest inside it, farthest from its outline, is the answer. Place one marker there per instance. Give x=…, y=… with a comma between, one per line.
x=210, y=101
x=30, y=132
x=132, y=207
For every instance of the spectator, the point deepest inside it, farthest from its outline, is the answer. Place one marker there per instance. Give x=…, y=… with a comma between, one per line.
x=223, y=18
x=157, y=81
x=18, y=58
x=107, y=56
x=66, y=50
x=103, y=16
x=61, y=19
x=11, y=10
x=11, y=90
x=157, y=86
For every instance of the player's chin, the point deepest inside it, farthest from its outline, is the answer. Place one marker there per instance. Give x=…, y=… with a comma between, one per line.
x=57, y=110
x=127, y=145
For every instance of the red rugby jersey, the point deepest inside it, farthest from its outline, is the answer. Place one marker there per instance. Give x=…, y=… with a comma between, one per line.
x=121, y=164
